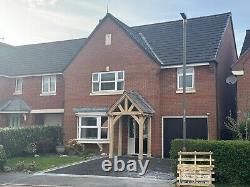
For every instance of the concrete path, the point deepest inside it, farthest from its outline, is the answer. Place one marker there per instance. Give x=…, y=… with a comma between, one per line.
x=17, y=179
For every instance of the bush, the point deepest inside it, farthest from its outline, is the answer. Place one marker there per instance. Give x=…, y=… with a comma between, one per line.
x=2, y=157
x=21, y=166
x=17, y=141
x=30, y=149
x=231, y=158
x=73, y=147
x=45, y=146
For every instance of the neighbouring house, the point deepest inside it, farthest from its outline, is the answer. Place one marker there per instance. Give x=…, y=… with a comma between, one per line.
x=241, y=69
x=120, y=89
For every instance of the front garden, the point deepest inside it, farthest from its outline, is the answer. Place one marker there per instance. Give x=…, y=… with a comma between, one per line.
x=43, y=162
x=34, y=148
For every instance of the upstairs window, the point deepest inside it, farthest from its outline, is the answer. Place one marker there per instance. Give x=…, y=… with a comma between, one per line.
x=49, y=85
x=108, y=81
x=108, y=39
x=19, y=86
x=189, y=79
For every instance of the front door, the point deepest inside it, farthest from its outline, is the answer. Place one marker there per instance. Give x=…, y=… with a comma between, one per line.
x=131, y=136
x=14, y=120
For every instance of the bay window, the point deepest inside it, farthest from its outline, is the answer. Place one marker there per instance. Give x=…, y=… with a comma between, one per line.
x=108, y=81
x=92, y=128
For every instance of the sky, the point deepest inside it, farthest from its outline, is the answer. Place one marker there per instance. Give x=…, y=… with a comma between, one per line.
x=36, y=21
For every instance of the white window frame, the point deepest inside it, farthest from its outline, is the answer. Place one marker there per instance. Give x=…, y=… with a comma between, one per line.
x=18, y=91
x=189, y=89
x=49, y=92
x=98, y=127
x=99, y=81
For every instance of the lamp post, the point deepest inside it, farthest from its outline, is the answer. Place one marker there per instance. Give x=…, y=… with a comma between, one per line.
x=184, y=58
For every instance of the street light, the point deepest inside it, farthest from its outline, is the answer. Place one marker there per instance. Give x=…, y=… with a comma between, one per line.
x=184, y=56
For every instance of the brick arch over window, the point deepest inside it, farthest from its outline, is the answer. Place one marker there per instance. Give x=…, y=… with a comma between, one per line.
x=134, y=105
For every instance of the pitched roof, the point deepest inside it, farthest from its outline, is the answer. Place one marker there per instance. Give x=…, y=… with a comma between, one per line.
x=42, y=58
x=140, y=102
x=246, y=43
x=14, y=105
x=203, y=38
x=137, y=37
x=161, y=41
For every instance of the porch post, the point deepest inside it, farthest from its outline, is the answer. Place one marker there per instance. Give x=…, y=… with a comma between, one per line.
x=120, y=138
x=111, y=137
x=141, y=122
x=149, y=138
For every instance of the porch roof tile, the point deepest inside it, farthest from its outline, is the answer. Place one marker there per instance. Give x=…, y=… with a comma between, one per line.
x=14, y=105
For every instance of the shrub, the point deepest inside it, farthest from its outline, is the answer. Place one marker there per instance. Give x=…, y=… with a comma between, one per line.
x=30, y=149
x=45, y=146
x=231, y=158
x=2, y=157
x=21, y=166
x=32, y=166
x=15, y=141
x=73, y=147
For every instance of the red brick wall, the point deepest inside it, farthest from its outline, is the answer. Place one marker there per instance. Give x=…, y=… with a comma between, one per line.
x=31, y=95
x=226, y=97
x=141, y=74
x=3, y=120
x=5, y=92
x=5, y=89
x=243, y=88
x=200, y=103
x=31, y=92
x=32, y=89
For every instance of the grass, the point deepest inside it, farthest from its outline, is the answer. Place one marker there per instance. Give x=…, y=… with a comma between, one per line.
x=44, y=161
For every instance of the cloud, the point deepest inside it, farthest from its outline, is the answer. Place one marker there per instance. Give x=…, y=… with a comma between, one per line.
x=37, y=3
x=22, y=24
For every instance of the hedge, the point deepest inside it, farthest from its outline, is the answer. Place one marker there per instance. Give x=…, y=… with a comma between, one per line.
x=2, y=157
x=15, y=141
x=232, y=158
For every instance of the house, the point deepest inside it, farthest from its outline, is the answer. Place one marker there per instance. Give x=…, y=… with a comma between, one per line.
x=241, y=69
x=120, y=89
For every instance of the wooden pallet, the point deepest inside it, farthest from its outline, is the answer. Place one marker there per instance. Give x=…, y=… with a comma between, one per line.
x=195, y=169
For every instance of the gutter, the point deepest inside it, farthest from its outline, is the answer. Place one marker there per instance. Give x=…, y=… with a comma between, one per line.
x=188, y=65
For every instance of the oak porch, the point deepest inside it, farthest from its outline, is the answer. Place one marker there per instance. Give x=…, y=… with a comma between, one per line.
x=130, y=104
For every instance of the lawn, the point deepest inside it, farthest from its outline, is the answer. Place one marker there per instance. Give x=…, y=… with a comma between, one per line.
x=45, y=161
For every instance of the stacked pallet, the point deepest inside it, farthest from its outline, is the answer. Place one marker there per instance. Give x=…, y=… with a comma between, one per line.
x=195, y=169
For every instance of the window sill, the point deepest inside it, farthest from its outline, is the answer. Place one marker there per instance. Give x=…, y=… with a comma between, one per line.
x=92, y=141
x=187, y=91
x=17, y=93
x=47, y=94
x=107, y=93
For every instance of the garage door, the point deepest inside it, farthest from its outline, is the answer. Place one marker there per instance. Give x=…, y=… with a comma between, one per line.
x=172, y=129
